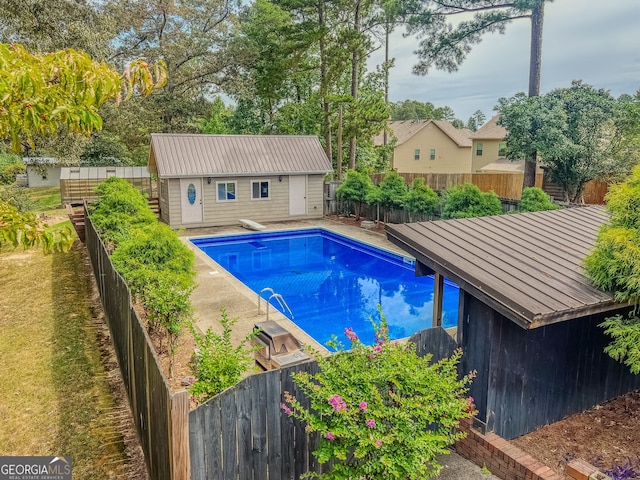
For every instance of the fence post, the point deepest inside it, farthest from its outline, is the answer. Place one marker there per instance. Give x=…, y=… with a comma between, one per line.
x=179, y=436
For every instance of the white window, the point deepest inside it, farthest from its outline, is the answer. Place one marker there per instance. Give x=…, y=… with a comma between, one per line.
x=479, y=149
x=226, y=191
x=416, y=154
x=260, y=190
x=432, y=154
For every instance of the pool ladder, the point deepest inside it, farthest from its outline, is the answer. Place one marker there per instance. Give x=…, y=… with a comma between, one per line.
x=276, y=297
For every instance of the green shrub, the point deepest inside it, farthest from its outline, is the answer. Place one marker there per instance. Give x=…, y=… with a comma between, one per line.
x=166, y=298
x=155, y=247
x=614, y=266
x=119, y=209
x=393, y=190
x=217, y=364
x=355, y=188
x=382, y=412
x=17, y=197
x=535, y=199
x=421, y=198
x=467, y=200
x=156, y=265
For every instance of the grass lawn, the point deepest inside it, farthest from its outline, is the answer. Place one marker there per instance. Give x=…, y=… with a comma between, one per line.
x=55, y=399
x=46, y=199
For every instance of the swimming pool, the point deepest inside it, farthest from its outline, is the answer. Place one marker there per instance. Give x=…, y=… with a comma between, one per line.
x=332, y=282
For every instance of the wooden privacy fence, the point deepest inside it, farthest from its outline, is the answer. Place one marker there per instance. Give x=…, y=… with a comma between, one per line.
x=506, y=185
x=161, y=417
x=242, y=433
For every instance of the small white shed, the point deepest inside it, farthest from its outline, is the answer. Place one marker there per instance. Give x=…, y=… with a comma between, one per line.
x=215, y=180
x=42, y=171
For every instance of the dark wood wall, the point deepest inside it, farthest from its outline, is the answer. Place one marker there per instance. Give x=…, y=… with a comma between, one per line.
x=529, y=378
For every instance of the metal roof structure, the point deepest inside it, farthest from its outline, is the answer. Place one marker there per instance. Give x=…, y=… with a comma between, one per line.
x=526, y=266
x=102, y=173
x=188, y=155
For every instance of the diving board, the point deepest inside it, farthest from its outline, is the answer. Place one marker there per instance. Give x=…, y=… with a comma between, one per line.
x=251, y=225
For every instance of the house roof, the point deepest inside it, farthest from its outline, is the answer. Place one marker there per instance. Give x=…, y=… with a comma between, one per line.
x=490, y=131
x=526, y=266
x=504, y=165
x=403, y=130
x=186, y=155
x=40, y=161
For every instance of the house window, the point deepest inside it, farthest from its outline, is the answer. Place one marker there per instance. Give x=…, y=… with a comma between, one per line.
x=226, y=191
x=416, y=154
x=479, y=148
x=260, y=190
x=502, y=149
x=432, y=154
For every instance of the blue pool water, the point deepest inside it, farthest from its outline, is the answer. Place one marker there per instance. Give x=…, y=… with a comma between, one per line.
x=332, y=282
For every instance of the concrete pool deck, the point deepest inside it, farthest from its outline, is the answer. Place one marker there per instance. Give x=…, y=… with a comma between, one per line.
x=217, y=289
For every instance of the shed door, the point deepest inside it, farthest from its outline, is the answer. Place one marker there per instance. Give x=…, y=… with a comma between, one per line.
x=191, y=200
x=298, y=195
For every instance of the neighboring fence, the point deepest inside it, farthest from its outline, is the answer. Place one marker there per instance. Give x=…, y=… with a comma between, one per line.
x=242, y=433
x=333, y=206
x=506, y=185
x=161, y=417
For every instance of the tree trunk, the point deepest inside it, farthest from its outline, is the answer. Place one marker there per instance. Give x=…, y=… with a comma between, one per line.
x=323, y=84
x=385, y=140
x=339, y=140
x=535, y=66
x=355, y=69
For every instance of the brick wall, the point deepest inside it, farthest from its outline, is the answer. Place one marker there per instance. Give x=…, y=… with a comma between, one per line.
x=508, y=462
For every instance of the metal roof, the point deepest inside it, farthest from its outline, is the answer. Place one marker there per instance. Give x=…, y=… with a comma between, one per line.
x=102, y=173
x=527, y=266
x=187, y=155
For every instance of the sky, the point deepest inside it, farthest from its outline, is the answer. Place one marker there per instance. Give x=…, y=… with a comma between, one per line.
x=596, y=41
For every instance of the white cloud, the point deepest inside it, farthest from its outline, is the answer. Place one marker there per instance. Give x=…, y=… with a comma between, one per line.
x=590, y=40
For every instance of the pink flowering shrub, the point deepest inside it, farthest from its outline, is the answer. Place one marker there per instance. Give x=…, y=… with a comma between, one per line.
x=382, y=412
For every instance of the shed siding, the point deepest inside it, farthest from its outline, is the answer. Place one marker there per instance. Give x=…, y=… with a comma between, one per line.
x=175, y=215
x=51, y=177
x=536, y=377
x=276, y=208
x=163, y=195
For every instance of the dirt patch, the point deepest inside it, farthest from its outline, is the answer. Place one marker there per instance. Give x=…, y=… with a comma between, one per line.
x=372, y=226
x=605, y=436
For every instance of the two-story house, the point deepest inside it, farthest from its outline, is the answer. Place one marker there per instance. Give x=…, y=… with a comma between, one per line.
x=429, y=146
x=488, y=145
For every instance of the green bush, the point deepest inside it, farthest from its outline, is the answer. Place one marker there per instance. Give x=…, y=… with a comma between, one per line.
x=155, y=247
x=17, y=197
x=217, y=364
x=119, y=209
x=355, y=188
x=382, y=412
x=535, y=199
x=421, y=198
x=156, y=265
x=614, y=266
x=467, y=200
